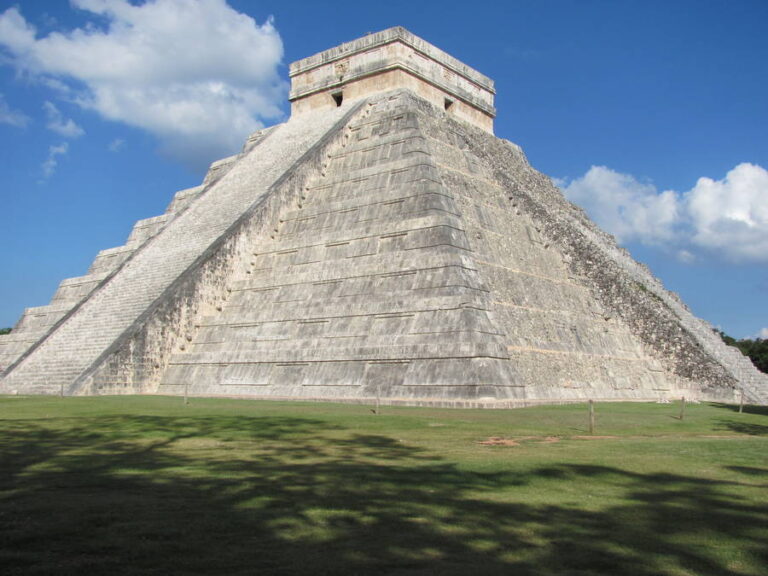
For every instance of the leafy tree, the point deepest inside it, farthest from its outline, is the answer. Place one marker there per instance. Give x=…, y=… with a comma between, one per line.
x=5, y=331
x=727, y=339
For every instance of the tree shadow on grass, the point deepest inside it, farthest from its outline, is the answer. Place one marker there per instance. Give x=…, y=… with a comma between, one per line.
x=751, y=470
x=270, y=495
x=747, y=408
x=747, y=428
x=737, y=425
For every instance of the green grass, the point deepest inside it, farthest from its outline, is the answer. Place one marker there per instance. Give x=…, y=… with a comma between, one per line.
x=145, y=485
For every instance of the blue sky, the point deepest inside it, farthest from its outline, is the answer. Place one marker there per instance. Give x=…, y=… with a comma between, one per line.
x=652, y=115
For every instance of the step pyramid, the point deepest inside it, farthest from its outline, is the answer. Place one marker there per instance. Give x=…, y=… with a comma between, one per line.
x=381, y=243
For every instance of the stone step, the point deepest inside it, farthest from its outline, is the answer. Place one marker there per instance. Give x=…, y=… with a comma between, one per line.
x=219, y=169
x=388, y=334
x=425, y=281
x=368, y=180
x=183, y=198
x=461, y=377
x=355, y=143
x=434, y=323
x=357, y=244
x=337, y=294
x=381, y=154
x=241, y=314
x=324, y=353
x=364, y=267
x=38, y=319
x=399, y=209
x=146, y=228
x=108, y=260
x=408, y=192
x=73, y=290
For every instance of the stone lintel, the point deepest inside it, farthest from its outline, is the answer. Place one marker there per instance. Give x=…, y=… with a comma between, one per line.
x=388, y=60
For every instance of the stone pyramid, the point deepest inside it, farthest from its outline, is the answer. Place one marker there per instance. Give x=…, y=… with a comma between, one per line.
x=380, y=243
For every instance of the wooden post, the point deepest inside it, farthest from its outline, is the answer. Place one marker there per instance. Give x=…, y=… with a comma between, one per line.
x=376, y=411
x=186, y=397
x=682, y=409
x=591, y=416
x=741, y=402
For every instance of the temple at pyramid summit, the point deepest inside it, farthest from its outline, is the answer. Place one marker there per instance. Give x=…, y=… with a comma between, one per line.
x=381, y=243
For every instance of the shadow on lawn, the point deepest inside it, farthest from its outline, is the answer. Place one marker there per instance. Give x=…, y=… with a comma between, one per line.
x=747, y=428
x=747, y=408
x=245, y=495
x=752, y=471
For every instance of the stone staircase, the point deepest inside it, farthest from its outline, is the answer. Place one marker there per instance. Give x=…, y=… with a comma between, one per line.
x=37, y=322
x=163, y=248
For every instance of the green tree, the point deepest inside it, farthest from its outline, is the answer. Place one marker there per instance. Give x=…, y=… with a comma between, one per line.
x=5, y=331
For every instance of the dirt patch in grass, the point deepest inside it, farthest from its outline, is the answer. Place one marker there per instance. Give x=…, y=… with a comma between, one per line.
x=518, y=440
x=498, y=441
x=550, y=440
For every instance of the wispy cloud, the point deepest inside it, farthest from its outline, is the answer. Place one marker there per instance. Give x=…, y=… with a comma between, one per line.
x=727, y=218
x=65, y=127
x=763, y=334
x=52, y=161
x=116, y=145
x=198, y=75
x=11, y=117
x=686, y=256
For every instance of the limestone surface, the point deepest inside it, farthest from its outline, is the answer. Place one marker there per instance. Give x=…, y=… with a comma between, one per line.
x=385, y=247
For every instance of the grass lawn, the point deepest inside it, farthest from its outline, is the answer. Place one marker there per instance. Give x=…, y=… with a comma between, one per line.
x=146, y=485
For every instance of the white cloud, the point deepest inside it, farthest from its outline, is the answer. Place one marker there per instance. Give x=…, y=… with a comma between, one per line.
x=52, y=162
x=62, y=126
x=116, y=145
x=727, y=218
x=195, y=73
x=763, y=334
x=731, y=215
x=629, y=209
x=11, y=117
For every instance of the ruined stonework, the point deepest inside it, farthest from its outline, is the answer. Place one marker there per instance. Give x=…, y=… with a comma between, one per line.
x=381, y=243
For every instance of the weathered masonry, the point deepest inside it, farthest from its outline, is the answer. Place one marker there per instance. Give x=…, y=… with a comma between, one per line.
x=380, y=243
x=391, y=60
